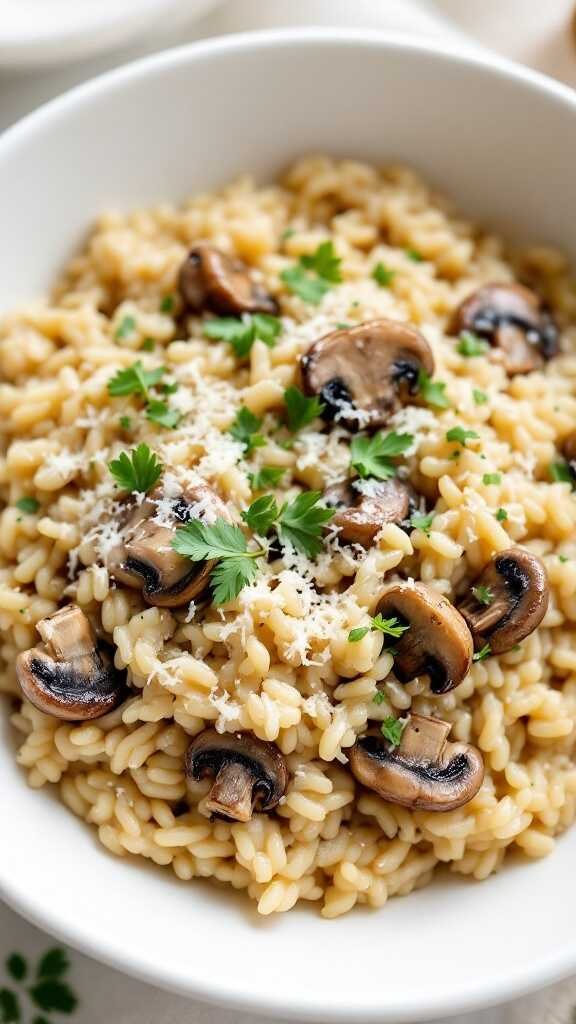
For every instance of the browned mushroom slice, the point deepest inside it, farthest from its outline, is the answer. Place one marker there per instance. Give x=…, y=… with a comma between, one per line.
x=569, y=452
x=513, y=319
x=249, y=774
x=211, y=280
x=364, y=374
x=146, y=559
x=361, y=515
x=438, y=642
x=68, y=676
x=424, y=772
x=508, y=600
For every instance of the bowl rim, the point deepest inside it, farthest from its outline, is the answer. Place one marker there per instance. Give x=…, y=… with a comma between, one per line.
x=515, y=983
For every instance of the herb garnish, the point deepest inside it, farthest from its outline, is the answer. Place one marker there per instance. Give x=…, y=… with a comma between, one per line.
x=137, y=470
x=501, y=515
x=483, y=594
x=299, y=522
x=371, y=456
x=28, y=505
x=560, y=472
x=236, y=565
x=419, y=521
x=167, y=304
x=245, y=429
x=135, y=380
x=382, y=275
x=300, y=410
x=126, y=327
x=161, y=413
x=392, y=729
x=241, y=333
x=390, y=627
x=484, y=652
x=471, y=345
x=378, y=697
x=266, y=476
x=148, y=345
x=125, y=422
x=414, y=255
x=459, y=435
x=432, y=391
x=480, y=397
x=314, y=274
x=491, y=478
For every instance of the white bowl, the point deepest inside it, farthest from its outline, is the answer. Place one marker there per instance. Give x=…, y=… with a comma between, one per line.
x=503, y=142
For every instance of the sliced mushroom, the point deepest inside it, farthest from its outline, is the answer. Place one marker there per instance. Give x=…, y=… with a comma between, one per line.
x=424, y=772
x=361, y=515
x=513, y=319
x=569, y=452
x=146, y=559
x=514, y=585
x=68, y=676
x=249, y=774
x=364, y=374
x=211, y=280
x=437, y=643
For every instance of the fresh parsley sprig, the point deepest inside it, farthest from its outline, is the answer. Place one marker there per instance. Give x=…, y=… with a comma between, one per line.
x=420, y=521
x=390, y=627
x=460, y=435
x=135, y=380
x=266, y=476
x=241, y=333
x=301, y=410
x=245, y=428
x=136, y=470
x=372, y=456
x=226, y=544
x=484, y=652
x=383, y=275
x=314, y=274
x=299, y=522
x=432, y=391
x=471, y=345
x=392, y=729
x=483, y=594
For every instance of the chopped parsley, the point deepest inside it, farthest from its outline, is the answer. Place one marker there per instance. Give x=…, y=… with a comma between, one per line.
x=299, y=522
x=563, y=558
x=357, y=634
x=245, y=429
x=148, y=345
x=137, y=470
x=135, y=380
x=314, y=274
x=300, y=410
x=167, y=304
x=236, y=565
x=371, y=456
x=342, y=326
x=266, y=476
x=459, y=435
x=491, y=478
x=28, y=505
x=484, y=652
x=483, y=594
x=419, y=521
x=433, y=391
x=560, y=472
x=392, y=729
x=382, y=275
x=169, y=387
x=125, y=422
x=414, y=255
x=287, y=234
x=161, y=413
x=242, y=332
x=378, y=697
x=501, y=515
x=390, y=627
x=125, y=328
x=480, y=397
x=471, y=345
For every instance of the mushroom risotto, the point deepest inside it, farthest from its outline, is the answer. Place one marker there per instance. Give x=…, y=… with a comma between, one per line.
x=288, y=578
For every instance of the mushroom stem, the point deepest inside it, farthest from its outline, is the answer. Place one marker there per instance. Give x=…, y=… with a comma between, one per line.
x=231, y=794
x=424, y=739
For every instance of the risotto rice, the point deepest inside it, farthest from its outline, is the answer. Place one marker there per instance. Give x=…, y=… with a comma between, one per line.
x=277, y=660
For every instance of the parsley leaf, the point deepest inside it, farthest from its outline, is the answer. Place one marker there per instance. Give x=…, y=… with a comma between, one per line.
x=460, y=435
x=148, y=345
x=419, y=521
x=370, y=456
x=262, y=514
x=28, y=505
x=491, y=478
x=167, y=304
x=483, y=594
x=245, y=429
x=267, y=476
x=392, y=729
x=135, y=380
x=300, y=410
x=480, y=397
x=563, y=558
x=161, y=413
x=378, y=697
x=225, y=543
x=137, y=470
x=301, y=522
x=314, y=274
x=560, y=472
x=482, y=653
x=471, y=345
x=125, y=422
x=432, y=391
x=241, y=333
x=501, y=515
x=390, y=627
x=414, y=255
x=125, y=328
x=382, y=275
x=358, y=634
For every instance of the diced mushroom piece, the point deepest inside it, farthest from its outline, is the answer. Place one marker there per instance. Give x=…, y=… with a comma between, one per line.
x=569, y=452
x=361, y=515
x=437, y=643
x=249, y=774
x=364, y=374
x=211, y=280
x=68, y=676
x=514, y=320
x=424, y=772
x=507, y=601
x=146, y=559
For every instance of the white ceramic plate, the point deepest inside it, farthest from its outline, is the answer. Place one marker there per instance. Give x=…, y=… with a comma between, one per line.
x=44, y=32
x=503, y=141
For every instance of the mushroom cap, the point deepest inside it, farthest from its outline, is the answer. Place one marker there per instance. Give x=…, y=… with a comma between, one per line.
x=361, y=516
x=424, y=772
x=146, y=559
x=513, y=319
x=364, y=374
x=68, y=677
x=438, y=642
x=249, y=773
x=518, y=582
x=209, y=279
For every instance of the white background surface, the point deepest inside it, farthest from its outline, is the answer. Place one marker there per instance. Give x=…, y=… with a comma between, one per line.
x=527, y=30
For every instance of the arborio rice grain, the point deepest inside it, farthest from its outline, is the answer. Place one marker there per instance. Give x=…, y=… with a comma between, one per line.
x=276, y=660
